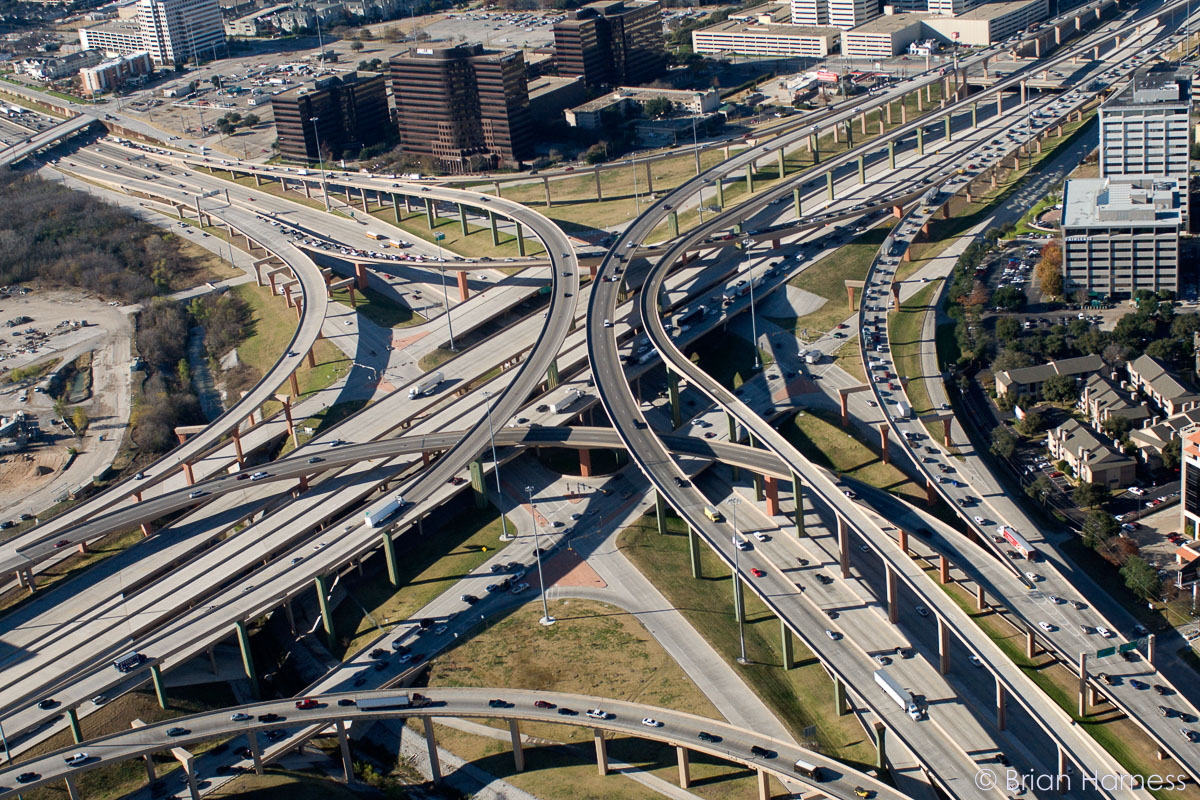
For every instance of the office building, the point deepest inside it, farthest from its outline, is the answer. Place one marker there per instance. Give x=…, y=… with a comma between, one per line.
x=1189, y=501
x=1121, y=234
x=465, y=107
x=350, y=111
x=171, y=31
x=980, y=25
x=115, y=72
x=612, y=43
x=590, y=115
x=1144, y=127
x=844, y=14
x=765, y=30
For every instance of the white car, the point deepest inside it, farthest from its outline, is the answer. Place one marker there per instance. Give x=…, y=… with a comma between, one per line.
x=1047, y=627
x=651, y=723
x=520, y=587
x=241, y=716
x=1056, y=599
x=834, y=635
x=980, y=521
x=975, y=661
x=597, y=713
x=762, y=537
x=1033, y=577
x=439, y=630
x=76, y=760
x=1105, y=632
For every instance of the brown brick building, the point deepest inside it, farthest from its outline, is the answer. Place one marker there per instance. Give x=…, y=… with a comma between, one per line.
x=351, y=113
x=466, y=107
x=612, y=43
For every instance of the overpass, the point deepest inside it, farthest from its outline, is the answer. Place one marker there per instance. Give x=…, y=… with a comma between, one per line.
x=51, y=136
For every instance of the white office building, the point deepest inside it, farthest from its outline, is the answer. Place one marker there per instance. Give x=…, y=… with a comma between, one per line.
x=1144, y=127
x=171, y=31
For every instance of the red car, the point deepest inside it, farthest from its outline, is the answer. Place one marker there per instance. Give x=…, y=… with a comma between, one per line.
x=758, y=573
x=307, y=702
x=543, y=704
x=62, y=543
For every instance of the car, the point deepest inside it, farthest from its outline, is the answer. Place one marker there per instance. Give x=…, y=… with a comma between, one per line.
x=922, y=611
x=1109, y=680
x=520, y=587
x=241, y=716
x=1163, y=690
x=315, y=460
x=76, y=759
x=195, y=494
x=758, y=573
x=1167, y=712
x=568, y=712
x=62, y=543
x=140, y=476
x=650, y=722
x=762, y=537
x=1046, y=626
x=833, y=635
x=705, y=736
x=850, y=494
x=497, y=703
x=607, y=323
x=469, y=599
x=1140, y=685
x=1103, y=631
x=1056, y=599
x=597, y=713
x=49, y=702
x=543, y=704
x=177, y=731
x=347, y=701
x=270, y=716
x=864, y=793
x=1033, y=577
x=980, y=521
x=761, y=752
x=1188, y=734
x=306, y=703
x=98, y=700
x=975, y=660
x=28, y=777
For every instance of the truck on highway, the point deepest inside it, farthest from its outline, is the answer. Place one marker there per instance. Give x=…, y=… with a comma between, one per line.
x=129, y=662
x=687, y=317
x=425, y=386
x=902, y=696
x=375, y=518
x=903, y=410
x=568, y=401
x=813, y=357
x=414, y=700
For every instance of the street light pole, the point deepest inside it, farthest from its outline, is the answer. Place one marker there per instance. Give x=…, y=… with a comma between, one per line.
x=504, y=537
x=321, y=161
x=537, y=546
x=445, y=296
x=734, y=502
x=753, y=321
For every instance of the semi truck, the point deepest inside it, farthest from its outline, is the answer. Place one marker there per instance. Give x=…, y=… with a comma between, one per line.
x=903, y=410
x=375, y=518
x=415, y=700
x=568, y=401
x=425, y=386
x=902, y=696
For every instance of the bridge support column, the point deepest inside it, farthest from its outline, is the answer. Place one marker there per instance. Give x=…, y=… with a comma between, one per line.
x=891, y=155
x=947, y=125
x=344, y=747
x=673, y=392
x=429, y=214
x=596, y=173
x=694, y=553
x=771, y=494
x=920, y=101
x=673, y=224
x=495, y=230
x=160, y=691
x=601, y=751
x=514, y=735
x=546, y=186
x=903, y=113
x=73, y=722
x=720, y=192
x=798, y=500
x=462, y=218
x=660, y=512
x=943, y=646
x=435, y=766
x=782, y=164
x=1063, y=779
x=840, y=706
x=323, y=602
x=888, y=110
x=72, y=790
x=396, y=209
x=844, y=545
x=749, y=179
x=943, y=570
x=389, y=552
x=1001, y=706
x=903, y=541
x=188, y=475
x=893, y=608
x=552, y=379
x=980, y=599
x=844, y=396
x=362, y=197
x=814, y=147
x=883, y=439
x=237, y=446
x=759, y=494
x=649, y=179
x=475, y=469
x=291, y=618
x=920, y=140
x=829, y=184
x=880, y=746
x=1083, y=694
x=999, y=104
x=520, y=239
x=764, y=785
x=930, y=490
x=255, y=751
x=685, y=772
x=974, y=115
x=464, y=289
x=739, y=598
x=1023, y=93
x=796, y=201
x=1030, y=645
x=786, y=647
x=585, y=462
x=733, y=437
x=1150, y=649
x=862, y=169
x=247, y=656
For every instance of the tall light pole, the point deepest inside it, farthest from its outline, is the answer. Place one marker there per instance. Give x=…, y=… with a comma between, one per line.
x=537, y=548
x=504, y=537
x=733, y=503
x=437, y=237
x=753, y=323
x=321, y=161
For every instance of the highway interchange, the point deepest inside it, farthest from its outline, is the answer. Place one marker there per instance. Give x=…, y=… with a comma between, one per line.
x=176, y=616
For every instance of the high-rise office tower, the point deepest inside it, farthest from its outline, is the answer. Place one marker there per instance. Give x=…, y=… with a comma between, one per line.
x=333, y=117
x=1144, y=127
x=612, y=43
x=464, y=106
x=171, y=31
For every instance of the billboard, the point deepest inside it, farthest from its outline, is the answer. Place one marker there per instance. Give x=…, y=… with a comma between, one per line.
x=827, y=76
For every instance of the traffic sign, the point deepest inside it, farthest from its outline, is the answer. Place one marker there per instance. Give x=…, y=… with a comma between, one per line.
x=437, y=237
x=1107, y=651
x=1125, y=648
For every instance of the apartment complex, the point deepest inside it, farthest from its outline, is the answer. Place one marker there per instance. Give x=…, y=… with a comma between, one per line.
x=612, y=43
x=1027, y=381
x=464, y=106
x=1091, y=458
x=1121, y=234
x=171, y=31
x=1148, y=376
x=113, y=73
x=334, y=114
